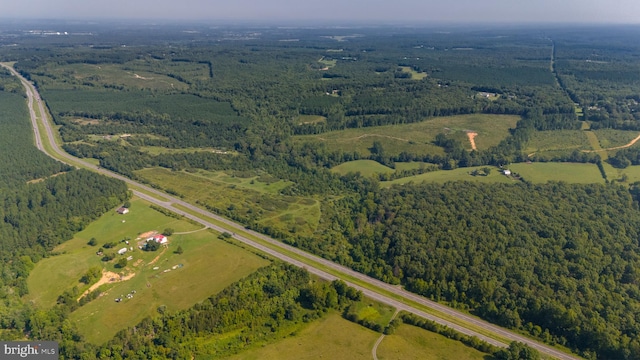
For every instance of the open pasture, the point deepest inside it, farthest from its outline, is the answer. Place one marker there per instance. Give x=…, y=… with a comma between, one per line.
x=156, y=150
x=553, y=171
x=76, y=257
x=632, y=173
x=206, y=266
x=415, y=75
x=418, y=137
x=373, y=312
x=460, y=174
x=331, y=337
x=413, y=165
x=610, y=138
x=364, y=167
x=411, y=342
x=557, y=141
x=172, y=281
x=254, y=198
x=106, y=75
x=310, y=119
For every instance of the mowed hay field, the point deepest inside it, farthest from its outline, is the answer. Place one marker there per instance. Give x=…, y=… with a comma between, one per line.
x=206, y=266
x=411, y=342
x=253, y=197
x=552, y=171
x=364, y=167
x=331, y=337
x=418, y=137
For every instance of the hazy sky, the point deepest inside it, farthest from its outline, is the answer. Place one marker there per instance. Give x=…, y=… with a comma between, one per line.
x=503, y=11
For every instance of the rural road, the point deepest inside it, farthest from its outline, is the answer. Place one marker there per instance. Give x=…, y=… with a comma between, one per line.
x=231, y=227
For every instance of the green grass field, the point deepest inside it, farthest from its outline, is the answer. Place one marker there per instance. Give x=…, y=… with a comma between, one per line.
x=632, y=173
x=208, y=266
x=328, y=62
x=65, y=273
x=412, y=165
x=255, y=197
x=461, y=174
x=331, y=337
x=365, y=167
x=156, y=150
x=595, y=144
x=115, y=74
x=557, y=141
x=569, y=172
x=411, y=342
x=414, y=74
x=418, y=137
x=609, y=138
x=374, y=312
x=310, y=119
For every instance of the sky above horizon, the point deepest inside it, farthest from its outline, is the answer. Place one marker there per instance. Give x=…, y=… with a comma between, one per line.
x=459, y=11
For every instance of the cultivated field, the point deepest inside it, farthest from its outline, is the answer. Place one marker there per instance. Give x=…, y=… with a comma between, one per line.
x=411, y=342
x=253, y=197
x=161, y=278
x=552, y=171
x=419, y=137
x=364, y=167
x=331, y=337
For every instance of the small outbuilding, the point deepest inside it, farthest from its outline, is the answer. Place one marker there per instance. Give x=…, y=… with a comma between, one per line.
x=506, y=172
x=122, y=251
x=122, y=210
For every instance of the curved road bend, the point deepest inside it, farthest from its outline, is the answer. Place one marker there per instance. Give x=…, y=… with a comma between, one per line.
x=33, y=95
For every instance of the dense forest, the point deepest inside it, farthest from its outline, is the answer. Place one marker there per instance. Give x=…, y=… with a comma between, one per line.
x=558, y=261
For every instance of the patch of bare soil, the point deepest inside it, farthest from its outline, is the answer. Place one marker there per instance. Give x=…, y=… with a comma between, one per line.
x=472, y=136
x=147, y=234
x=107, y=277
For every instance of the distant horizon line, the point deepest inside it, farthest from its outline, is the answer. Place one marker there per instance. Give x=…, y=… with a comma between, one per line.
x=301, y=23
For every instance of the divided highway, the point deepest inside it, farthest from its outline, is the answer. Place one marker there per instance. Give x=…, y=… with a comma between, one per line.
x=376, y=289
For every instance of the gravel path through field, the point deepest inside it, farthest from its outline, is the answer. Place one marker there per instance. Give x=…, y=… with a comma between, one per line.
x=374, y=351
x=190, y=232
x=617, y=147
